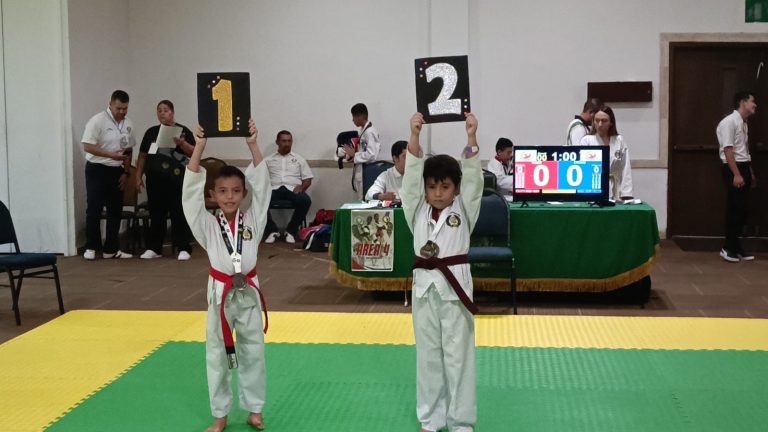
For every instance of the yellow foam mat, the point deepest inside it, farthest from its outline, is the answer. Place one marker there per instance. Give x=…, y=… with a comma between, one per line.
x=47, y=371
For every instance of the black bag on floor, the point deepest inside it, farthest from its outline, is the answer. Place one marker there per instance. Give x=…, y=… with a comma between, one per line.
x=317, y=241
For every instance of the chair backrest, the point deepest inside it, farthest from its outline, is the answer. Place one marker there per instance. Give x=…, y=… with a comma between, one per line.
x=7, y=232
x=212, y=167
x=492, y=226
x=489, y=179
x=371, y=171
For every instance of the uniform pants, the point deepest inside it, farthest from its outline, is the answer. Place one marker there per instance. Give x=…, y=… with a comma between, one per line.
x=736, y=206
x=445, y=363
x=301, y=201
x=164, y=198
x=102, y=188
x=246, y=322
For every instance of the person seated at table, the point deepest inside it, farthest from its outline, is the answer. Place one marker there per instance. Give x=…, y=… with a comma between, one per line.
x=441, y=203
x=290, y=176
x=387, y=184
x=501, y=166
x=604, y=132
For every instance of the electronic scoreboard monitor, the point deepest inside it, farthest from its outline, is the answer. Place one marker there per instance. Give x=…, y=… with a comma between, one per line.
x=560, y=173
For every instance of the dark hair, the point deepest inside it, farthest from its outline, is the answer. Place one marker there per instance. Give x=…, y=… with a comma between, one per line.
x=398, y=147
x=230, y=171
x=441, y=167
x=741, y=96
x=119, y=95
x=503, y=143
x=282, y=132
x=167, y=103
x=592, y=105
x=612, y=131
x=359, y=109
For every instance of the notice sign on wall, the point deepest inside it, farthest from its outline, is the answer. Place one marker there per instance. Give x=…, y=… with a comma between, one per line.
x=373, y=240
x=224, y=103
x=756, y=11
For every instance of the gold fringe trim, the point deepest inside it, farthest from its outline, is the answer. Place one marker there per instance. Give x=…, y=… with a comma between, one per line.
x=501, y=284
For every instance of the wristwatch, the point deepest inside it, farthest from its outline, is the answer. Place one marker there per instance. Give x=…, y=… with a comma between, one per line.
x=471, y=149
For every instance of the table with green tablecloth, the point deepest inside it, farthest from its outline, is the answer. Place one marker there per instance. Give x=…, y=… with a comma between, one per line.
x=568, y=247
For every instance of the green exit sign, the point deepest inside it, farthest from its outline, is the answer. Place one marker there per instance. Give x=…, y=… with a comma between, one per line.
x=756, y=11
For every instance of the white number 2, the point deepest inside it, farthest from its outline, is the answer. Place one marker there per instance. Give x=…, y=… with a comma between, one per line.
x=443, y=105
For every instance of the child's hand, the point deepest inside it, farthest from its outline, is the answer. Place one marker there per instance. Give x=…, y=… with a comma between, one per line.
x=417, y=121
x=200, y=138
x=251, y=140
x=471, y=123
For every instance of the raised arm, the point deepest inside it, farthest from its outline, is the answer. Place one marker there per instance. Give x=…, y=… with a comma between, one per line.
x=414, y=147
x=472, y=175
x=253, y=146
x=197, y=153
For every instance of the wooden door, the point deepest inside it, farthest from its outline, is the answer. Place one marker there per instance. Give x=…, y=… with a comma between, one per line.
x=703, y=80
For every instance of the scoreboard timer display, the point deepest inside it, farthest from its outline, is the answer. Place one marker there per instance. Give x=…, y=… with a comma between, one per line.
x=559, y=173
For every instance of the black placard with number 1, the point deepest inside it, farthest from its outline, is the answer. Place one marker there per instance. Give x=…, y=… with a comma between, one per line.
x=442, y=88
x=224, y=103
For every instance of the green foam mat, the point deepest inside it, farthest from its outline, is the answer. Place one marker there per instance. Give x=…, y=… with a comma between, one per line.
x=372, y=388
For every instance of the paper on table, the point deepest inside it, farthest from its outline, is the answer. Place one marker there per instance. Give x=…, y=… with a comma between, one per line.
x=166, y=135
x=364, y=205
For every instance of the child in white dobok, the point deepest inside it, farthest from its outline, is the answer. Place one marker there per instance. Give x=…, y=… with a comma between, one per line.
x=442, y=220
x=231, y=237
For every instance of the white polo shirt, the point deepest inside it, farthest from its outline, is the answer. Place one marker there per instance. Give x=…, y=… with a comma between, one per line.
x=288, y=170
x=109, y=135
x=732, y=132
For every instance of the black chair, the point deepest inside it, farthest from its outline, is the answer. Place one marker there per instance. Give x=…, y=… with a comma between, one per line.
x=18, y=265
x=371, y=171
x=286, y=205
x=490, y=245
x=489, y=179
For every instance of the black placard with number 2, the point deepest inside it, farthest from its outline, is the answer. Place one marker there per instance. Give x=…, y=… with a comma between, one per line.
x=224, y=103
x=442, y=88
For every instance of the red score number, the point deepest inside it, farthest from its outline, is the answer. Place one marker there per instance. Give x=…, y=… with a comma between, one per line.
x=541, y=175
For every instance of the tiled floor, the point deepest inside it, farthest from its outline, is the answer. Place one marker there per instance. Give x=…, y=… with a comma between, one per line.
x=684, y=284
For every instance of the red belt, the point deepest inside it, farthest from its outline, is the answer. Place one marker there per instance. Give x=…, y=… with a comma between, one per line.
x=226, y=330
x=442, y=264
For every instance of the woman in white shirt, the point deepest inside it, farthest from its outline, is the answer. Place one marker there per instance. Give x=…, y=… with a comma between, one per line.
x=604, y=133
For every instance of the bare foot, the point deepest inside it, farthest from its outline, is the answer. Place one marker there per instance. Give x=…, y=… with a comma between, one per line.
x=218, y=425
x=256, y=420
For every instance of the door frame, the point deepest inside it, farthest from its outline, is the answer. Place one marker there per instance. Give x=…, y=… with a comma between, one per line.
x=668, y=43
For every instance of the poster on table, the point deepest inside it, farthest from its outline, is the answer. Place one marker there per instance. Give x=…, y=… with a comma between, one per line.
x=442, y=88
x=224, y=103
x=373, y=240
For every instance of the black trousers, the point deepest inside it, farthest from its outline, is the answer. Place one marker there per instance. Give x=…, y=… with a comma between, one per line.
x=102, y=188
x=736, y=206
x=164, y=198
x=301, y=201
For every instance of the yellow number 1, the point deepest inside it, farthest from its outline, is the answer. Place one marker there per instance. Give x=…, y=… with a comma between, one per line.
x=222, y=93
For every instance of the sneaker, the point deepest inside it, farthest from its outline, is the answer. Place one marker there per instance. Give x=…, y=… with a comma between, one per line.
x=271, y=237
x=149, y=254
x=746, y=256
x=184, y=256
x=89, y=254
x=729, y=256
x=289, y=238
x=117, y=255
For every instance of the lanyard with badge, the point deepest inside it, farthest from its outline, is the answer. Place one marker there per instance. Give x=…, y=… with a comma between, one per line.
x=123, y=136
x=239, y=281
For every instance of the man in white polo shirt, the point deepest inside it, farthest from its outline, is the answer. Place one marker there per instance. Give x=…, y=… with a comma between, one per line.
x=733, y=136
x=107, y=142
x=290, y=176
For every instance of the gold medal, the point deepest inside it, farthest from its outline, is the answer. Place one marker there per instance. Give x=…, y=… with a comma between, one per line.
x=429, y=250
x=239, y=281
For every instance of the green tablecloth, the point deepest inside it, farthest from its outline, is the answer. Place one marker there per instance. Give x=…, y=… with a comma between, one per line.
x=568, y=247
